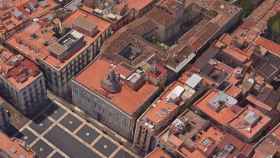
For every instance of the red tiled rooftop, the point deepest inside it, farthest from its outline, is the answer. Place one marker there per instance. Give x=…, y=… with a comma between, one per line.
x=139, y=4
x=277, y=132
x=252, y=99
x=214, y=135
x=232, y=49
x=14, y=148
x=164, y=15
x=234, y=91
x=271, y=46
x=156, y=115
x=9, y=22
x=45, y=33
x=270, y=145
x=127, y=100
x=182, y=142
x=256, y=23
x=240, y=146
x=220, y=66
x=237, y=54
x=158, y=153
x=195, y=154
x=21, y=74
x=224, y=116
x=40, y=10
x=250, y=131
x=101, y=24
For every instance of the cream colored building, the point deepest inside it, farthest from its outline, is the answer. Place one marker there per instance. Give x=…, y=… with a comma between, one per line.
x=21, y=82
x=62, y=54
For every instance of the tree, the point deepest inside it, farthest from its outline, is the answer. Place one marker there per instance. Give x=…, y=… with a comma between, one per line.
x=274, y=27
x=247, y=6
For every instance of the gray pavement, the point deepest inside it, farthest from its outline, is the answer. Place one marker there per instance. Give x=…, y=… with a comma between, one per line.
x=68, y=144
x=60, y=133
x=105, y=146
x=123, y=154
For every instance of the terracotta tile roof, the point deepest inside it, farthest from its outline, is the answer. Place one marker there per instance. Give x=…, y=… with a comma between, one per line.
x=158, y=153
x=234, y=91
x=16, y=14
x=224, y=115
x=213, y=142
x=138, y=5
x=277, y=132
x=271, y=46
x=14, y=148
x=242, y=125
x=160, y=111
x=181, y=140
x=270, y=145
x=252, y=99
x=240, y=147
x=208, y=140
x=25, y=44
x=42, y=7
x=163, y=15
x=174, y=97
x=256, y=23
x=18, y=70
x=9, y=21
x=136, y=98
x=236, y=54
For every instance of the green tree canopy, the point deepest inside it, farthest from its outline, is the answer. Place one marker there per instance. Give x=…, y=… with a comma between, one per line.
x=247, y=7
x=274, y=27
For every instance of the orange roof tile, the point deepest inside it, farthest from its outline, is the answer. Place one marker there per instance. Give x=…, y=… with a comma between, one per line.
x=223, y=116
x=175, y=141
x=164, y=110
x=14, y=148
x=236, y=53
x=9, y=22
x=139, y=4
x=25, y=44
x=270, y=145
x=195, y=154
x=252, y=99
x=18, y=70
x=234, y=91
x=214, y=137
x=250, y=131
x=158, y=153
x=277, y=132
x=38, y=11
x=136, y=98
x=156, y=115
x=273, y=47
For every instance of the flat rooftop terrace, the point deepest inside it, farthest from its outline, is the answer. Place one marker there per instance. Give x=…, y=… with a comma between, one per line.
x=33, y=41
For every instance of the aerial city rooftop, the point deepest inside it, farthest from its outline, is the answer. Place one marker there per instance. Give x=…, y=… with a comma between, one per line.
x=140, y=78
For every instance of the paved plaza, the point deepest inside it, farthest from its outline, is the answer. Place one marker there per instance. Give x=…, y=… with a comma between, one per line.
x=60, y=133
